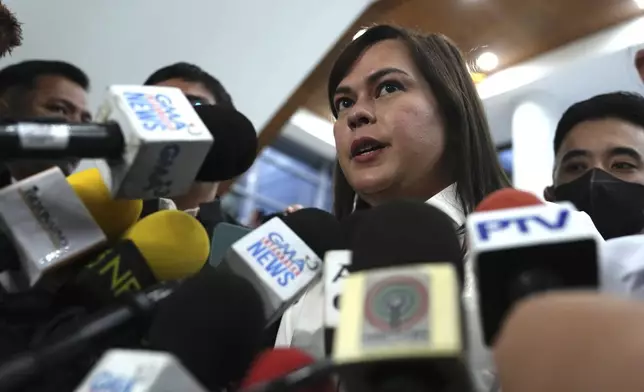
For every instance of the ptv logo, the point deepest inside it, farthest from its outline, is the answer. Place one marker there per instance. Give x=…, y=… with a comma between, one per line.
x=522, y=224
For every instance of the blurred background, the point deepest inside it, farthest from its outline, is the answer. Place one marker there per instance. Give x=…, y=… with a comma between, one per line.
x=531, y=59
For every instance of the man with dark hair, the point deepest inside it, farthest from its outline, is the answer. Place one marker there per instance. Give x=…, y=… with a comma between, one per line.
x=43, y=89
x=599, y=162
x=200, y=88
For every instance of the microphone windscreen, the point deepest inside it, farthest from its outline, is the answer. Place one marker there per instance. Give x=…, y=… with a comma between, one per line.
x=319, y=230
x=278, y=362
x=114, y=216
x=173, y=243
x=213, y=324
x=235, y=146
x=508, y=198
x=402, y=232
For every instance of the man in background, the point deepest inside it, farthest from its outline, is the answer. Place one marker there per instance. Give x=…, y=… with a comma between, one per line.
x=599, y=162
x=43, y=89
x=200, y=88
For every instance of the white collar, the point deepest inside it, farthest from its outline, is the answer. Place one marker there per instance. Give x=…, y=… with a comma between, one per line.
x=448, y=201
x=168, y=204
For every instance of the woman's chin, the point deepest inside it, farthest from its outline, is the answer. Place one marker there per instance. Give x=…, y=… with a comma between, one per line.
x=371, y=185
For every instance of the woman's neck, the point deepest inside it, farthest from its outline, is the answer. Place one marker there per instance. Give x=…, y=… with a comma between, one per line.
x=421, y=192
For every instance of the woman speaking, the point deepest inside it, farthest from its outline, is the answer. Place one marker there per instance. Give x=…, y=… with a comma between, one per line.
x=409, y=124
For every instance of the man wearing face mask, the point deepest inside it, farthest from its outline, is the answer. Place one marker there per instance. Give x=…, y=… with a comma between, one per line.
x=599, y=162
x=43, y=89
x=599, y=167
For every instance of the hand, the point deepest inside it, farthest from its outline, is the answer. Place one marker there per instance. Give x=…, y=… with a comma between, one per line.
x=292, y=208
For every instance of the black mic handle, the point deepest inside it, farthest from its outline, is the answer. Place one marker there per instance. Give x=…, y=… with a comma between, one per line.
x=17, y=371
x=36, y=140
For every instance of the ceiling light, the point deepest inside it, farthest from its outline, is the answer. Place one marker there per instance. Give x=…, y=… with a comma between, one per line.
x=640, y=4
x=359, y=33
x=487, y=61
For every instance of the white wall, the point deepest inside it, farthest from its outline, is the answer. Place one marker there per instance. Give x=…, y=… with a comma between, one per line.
x=261, y=50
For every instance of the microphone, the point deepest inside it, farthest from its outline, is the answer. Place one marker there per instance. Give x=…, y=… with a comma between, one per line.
x=572, y=342
x=141, y=371
x=214, y=326
x=77, y=340
x=336, y=269
x=154, y=140
x=45, y=226
x=282, y=256
x=73, y=213
x=166, y=245
x=170, y=142
x=521, y=246
x=271, y=365
x=114, y=216
x=400, y=322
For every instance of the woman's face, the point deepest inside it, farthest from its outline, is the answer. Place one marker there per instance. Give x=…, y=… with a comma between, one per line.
x=389, y=134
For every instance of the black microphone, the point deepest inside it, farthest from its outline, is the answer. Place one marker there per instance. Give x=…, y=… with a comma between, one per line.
x=400, y=324
x=213, y=326
x=156, y=143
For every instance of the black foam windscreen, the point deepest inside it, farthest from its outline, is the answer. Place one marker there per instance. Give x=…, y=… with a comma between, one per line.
x=318, y=229
x=402, y=232
x=235, y=146
x=213, y=324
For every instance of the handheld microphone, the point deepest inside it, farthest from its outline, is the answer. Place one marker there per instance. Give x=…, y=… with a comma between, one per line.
x=45, y=225
x=73, y=343
x=166, y=245
x=170, y=142
x=141, y=371
x=282, y=256
x=572, y=342
x=272, y=365
x=114, y=216
x=336, y=269
x=213, y=326
x=400, y=322
x=519, y=251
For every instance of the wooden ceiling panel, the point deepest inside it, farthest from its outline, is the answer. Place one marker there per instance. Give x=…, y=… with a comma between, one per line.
x=515, y=30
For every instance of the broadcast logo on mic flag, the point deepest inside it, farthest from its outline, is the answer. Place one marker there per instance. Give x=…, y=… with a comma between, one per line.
x=166, y=141
x=399, y=312
x=276, y=255
x=396, y=309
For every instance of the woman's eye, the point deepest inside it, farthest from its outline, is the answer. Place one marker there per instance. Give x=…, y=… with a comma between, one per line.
x=343, y=103
x=388, y=88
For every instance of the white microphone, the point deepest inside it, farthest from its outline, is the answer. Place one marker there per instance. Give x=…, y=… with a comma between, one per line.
x=277, y=259
x=140, y=371
x=521, y=251
x=336, y=269
x=45, y=226
x=166, y=141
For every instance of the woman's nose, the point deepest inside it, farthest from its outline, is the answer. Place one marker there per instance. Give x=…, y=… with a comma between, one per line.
x=359, y=117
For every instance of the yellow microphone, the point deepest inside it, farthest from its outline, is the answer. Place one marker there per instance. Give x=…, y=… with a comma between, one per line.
x=166, y=245
x=114, y=216
x=400, y=328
